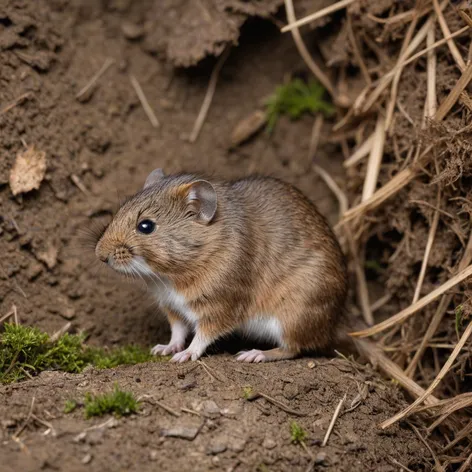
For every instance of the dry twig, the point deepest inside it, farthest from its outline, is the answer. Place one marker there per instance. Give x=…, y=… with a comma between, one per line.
x=144, y=103
x=333, y=420
x=95, y=78
x=202, y=114
x=302, y=49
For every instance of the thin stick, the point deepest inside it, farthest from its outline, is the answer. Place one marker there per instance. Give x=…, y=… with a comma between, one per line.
x=208, y=96
x=431, y=99
x=361, y=286
x=295, y=24
x=403, y=467
x=315, y=69
x=44, y=423
x=438, y=466
x=79, y=184
x=375, y=159
x=14, y=103
x=275, y=402
x=315, y=137
x=5, y=317
x=446, y=32
x=466, y=464
x=334, y=187
x=333, y=420
x=398, y=73
x=60, y=332
x=191, y=412
x=377, y=358
x=357, y=53
x=412, y=309
x=94, y=79
x=400, y=180
x=442, y=373
x=439, y=314
x=454, y=94
x=360, y=153
x=144, y=103
x=427, y=251
x=208, y=371
x=25, y=423
x=167, y=408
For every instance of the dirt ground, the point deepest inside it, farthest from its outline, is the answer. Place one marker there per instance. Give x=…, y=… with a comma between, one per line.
x=99, y=149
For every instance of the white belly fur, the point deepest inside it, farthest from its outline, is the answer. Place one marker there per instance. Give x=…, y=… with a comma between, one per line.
x=165, y=293
x=263, y=328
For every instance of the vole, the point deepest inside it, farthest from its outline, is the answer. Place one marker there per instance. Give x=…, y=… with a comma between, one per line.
x=252, y=256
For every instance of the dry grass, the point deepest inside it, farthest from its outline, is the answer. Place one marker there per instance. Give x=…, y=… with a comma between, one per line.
x=401, y=151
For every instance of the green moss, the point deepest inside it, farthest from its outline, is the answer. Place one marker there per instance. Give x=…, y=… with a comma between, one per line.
x=118, y=402
x=27, y=351
x=125, y=355
x=297, y=433
x=247, y=392
x=70, y=406
x=294, y=99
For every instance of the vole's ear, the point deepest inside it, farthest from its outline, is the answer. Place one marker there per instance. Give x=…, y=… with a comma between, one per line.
x=202, y=195
x=153, y=177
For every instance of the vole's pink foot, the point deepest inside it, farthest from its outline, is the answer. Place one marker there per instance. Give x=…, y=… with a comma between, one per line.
x=255, y=355
x=166, y=349
x=185, y=356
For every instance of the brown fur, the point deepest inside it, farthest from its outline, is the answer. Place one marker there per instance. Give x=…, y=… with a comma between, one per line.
x=267, y=250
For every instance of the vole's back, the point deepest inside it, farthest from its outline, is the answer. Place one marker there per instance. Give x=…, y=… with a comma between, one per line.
x=297, y=266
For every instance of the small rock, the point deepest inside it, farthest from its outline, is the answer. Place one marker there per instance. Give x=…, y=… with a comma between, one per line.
x=216, y=448
x=209, y=408
x=48, y=255
x=236, y=444
x=233, y=409
x=95, y=436
x=132, y=30
x=320, y=458
x=269, y=443
x=68, y=313
x=311, y=365
x=87, y=459
x=153, y=455
x=215, y=460
x=183, y=432
x=290, y=391
x=80, y=437
x=33, y=271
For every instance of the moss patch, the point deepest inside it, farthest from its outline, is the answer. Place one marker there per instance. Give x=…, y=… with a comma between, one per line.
x=118, y=402
x=26, y=351
x=296, y=98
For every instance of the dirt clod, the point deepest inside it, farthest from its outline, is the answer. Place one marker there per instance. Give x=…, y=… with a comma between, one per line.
x=28, y=171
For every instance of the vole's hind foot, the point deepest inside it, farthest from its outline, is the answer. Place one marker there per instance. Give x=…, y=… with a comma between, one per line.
x=256, y=355
x=166, y=349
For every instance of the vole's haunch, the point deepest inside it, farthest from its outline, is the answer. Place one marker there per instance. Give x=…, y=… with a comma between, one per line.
x=252, y=255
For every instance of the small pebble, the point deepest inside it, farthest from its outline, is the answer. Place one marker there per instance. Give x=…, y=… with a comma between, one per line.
x=269, y=443
x=153, y=455
x=320, y=458
x=87, y=459
x=216, y=448
x=183, y=432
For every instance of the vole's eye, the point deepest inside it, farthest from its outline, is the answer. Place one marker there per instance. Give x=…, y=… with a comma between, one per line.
x=146, y=226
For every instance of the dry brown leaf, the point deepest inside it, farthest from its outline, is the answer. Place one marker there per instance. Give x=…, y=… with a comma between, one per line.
x=28, y=171
x=247, y=127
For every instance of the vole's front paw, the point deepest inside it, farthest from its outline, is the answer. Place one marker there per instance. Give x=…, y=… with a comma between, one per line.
x=254, y=355
x=166, y=349
x=185, y=356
